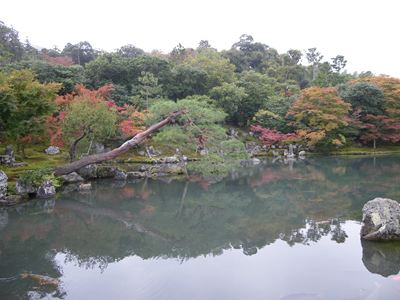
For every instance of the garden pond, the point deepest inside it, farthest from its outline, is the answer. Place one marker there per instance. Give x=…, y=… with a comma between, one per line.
x=278, y=230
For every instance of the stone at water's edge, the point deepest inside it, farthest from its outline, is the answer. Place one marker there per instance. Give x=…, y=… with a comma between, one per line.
x=3, y=184
x=46, y=190
x=22, y=188
x=381, y=220
x=71, y=178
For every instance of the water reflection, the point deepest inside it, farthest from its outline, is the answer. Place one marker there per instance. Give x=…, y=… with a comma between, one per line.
x=308, y=203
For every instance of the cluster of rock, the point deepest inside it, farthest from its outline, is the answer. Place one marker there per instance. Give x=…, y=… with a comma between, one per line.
x=108, y=171
x=4, y=198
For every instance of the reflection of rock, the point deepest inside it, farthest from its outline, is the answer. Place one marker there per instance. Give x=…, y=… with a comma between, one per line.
x=381, y=258
x=381, y=219
x=3, y=219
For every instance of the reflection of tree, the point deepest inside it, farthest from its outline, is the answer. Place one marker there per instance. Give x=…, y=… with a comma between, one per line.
x=185, y=219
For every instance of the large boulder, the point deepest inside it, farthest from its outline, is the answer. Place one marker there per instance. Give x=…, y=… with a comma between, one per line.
x=88, y=172
x=46, y=190
x=72, y=178
x=3, y=184
x=22, y=188
x=120, y=175
x=381, y=220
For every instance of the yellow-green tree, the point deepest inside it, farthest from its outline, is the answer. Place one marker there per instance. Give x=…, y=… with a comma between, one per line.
x=24, y=105
x=319, y=115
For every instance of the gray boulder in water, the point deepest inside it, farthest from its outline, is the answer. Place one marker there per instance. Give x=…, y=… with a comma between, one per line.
x=381, y=220
x=3, y=184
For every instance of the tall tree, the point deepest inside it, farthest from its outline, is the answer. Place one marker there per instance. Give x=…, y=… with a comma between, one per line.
x=314, y=58
x=11, y=49
x=338, y=63
x=81, y=53
x=130, y=51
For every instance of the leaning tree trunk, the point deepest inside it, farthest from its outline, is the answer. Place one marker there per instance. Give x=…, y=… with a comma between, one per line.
x=137, y=139
x=72, y=149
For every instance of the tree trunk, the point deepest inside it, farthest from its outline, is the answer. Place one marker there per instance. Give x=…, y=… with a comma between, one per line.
x=137, y=139
x=374, y=144
x=72, y=149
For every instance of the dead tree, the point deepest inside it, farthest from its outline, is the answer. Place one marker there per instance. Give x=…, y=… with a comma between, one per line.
x=137, y=139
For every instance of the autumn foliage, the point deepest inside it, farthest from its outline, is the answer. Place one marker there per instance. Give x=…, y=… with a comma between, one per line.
x=130, y=121
x=271, y=137
x=319, y=114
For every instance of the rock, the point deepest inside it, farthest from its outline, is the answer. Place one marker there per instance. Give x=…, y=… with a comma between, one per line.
x=381, y=218
x=151, y=152
x=302, y=153
x=3, y=184
x=143, y=168
x=6, y=160
x=22, y=189
x=71, y=178
x=232, y=132
x=46, y=190
x=106, y=171
x=255, y=161
x=169, y=160
x=9, y=151
x=120, y=175
x=99, y=148
x=52, y=150
x=141, y=153
x=275, y=153
x=135, y=175
x=88, y=172
x=203, y=152
x=85, y=187
x=19, y=164
x=166, y=169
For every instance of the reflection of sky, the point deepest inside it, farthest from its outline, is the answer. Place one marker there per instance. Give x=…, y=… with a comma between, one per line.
x=322, y=270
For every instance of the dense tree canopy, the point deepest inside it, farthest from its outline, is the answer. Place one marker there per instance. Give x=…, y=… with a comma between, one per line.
x=24, y=104
x=250, y=84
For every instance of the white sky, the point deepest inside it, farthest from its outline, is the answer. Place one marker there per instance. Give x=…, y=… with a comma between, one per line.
x=366, y=32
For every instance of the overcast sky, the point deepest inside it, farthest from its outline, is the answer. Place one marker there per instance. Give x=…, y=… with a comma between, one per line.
x=366, y=32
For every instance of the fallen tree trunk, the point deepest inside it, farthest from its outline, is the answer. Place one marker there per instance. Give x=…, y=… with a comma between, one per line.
x=97, y=158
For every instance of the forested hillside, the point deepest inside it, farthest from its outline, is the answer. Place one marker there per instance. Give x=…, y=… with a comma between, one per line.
x=63, y=96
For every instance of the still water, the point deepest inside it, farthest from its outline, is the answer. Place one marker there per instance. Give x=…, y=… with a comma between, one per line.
x=273, y=231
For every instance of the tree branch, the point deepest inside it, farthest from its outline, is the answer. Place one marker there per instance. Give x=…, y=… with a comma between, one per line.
x=137, y=139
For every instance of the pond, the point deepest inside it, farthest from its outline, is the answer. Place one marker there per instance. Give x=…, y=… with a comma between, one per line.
x=273, y=231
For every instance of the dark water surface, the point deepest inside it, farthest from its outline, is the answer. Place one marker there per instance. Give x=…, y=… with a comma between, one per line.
x=274, y=231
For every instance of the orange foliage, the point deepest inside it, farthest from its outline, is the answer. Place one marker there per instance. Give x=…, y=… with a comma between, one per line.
x=131, y=120
x=319, y=113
